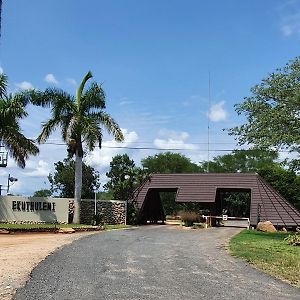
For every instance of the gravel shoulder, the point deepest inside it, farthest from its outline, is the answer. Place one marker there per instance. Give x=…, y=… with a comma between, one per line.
x=21, y=252
x=151, y=262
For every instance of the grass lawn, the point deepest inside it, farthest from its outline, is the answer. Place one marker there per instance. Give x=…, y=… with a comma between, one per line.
x=116, y=226
x=269, y=253
x=49, y=226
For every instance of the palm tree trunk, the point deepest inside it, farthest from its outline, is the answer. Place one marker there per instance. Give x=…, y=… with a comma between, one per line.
x=78, y=186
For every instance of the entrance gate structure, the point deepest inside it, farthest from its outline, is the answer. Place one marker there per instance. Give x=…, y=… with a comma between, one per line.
x=266, y=203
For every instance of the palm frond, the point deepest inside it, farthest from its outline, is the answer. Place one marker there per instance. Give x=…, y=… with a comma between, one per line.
x=18, y=146
x=93, y=98
x=111, y=126
x=47, y=128
x=3, y=85
x=49, y=97
x=91, y=132
x=87, y=76
x=14, y=106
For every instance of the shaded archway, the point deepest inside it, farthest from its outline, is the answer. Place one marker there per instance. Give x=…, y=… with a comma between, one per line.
x=152, y=210
x=233, y=202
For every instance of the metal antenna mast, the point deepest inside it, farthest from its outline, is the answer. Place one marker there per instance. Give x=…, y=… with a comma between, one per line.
x=208, y=124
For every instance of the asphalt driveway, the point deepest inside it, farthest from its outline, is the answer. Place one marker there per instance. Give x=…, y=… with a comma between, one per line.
x=151, y=262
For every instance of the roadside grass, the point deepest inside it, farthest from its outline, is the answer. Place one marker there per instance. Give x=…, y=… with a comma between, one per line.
x=40, y=227
x=116, y=226
x=269, y=253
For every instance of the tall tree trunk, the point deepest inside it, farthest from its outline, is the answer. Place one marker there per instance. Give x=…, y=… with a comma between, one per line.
x=78, y=186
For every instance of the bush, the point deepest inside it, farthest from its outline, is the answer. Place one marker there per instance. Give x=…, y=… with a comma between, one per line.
x=132, y=213
x=199, y=225
x=188, y=217
x=98, y=220
x=293, y=239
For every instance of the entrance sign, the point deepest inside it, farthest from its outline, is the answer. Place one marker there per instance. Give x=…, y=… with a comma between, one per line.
x=34, y=209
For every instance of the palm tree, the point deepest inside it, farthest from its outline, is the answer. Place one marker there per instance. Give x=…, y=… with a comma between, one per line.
x=12, y=110
x=80, y=119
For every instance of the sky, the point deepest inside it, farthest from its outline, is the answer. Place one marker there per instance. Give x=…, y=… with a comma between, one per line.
x=154, y=60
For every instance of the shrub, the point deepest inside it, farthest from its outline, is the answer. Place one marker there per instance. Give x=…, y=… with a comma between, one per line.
x=293, y=239
x=132, y=213
x=188, y=217
x=199, y=225
x=98, y=220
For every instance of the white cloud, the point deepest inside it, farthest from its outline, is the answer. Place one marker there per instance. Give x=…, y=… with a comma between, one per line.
x=125, y=101
x=24, y=85
x=173, y=140
x=50, y=78
x=176, y=135
x=217, y=112
x=173, y=144
x=193, y=100
x=1, y=70
x=289, y=14
x=102, y=157
x=37, y=169
x=176, y=142
x=71, y=81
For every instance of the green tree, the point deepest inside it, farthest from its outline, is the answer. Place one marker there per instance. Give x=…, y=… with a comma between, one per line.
x=272, y=111
x=243, y=161
x=12, y=110
x=123, y=177
x=80, y=119
x=42, y=193
x=286, y=182
x=63, y=180
x=169, y=162
x=105, y=196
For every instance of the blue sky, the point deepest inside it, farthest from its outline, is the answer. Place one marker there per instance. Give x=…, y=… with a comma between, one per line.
x=154, y=59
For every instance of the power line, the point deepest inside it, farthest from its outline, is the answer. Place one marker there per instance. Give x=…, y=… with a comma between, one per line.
x=151, y=142
x=164, y=149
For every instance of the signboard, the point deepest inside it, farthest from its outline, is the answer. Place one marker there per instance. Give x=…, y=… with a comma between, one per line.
x=224, y=217
x=35, y=209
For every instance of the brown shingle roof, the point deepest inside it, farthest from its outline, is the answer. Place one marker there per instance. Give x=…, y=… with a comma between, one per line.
x=203, y=187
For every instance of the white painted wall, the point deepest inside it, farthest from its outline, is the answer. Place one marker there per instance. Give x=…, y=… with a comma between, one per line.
x=36, y=209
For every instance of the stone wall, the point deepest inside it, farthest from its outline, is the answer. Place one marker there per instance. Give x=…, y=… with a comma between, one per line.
x=111, y=211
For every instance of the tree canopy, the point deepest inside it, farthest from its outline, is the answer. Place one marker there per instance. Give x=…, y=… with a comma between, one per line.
x=273, y=112
x=245, y=161
x=123, y=177
x=12, y=110
x=169, y=162
x=62, y=181
x=286, y=182
x=42, y=193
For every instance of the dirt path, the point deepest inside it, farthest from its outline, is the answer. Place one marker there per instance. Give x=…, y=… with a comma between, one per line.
x=20, y=253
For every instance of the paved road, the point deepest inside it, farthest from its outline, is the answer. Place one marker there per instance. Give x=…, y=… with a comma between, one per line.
x=151, y=262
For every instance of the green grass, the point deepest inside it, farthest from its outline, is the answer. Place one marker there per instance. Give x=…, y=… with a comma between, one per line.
x=269, y=253
x=40, y=226
x=50, y=227
x=117, y=226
